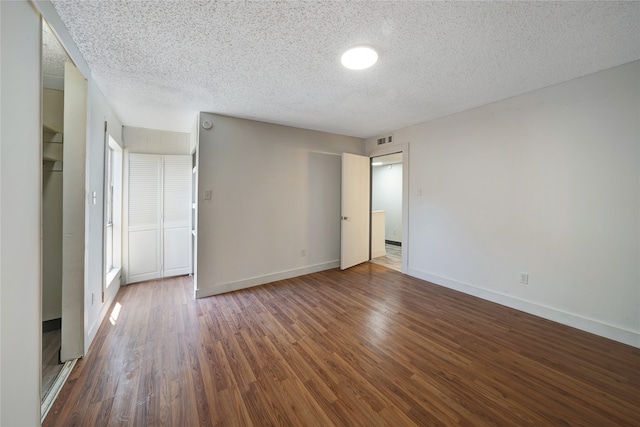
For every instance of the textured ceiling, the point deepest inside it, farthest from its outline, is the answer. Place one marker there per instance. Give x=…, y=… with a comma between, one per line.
x=160, y=62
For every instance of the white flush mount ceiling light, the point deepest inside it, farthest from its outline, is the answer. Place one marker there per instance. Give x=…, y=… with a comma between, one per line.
x=359, y=58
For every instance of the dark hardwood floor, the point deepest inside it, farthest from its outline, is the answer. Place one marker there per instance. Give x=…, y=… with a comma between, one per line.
x=364, y=347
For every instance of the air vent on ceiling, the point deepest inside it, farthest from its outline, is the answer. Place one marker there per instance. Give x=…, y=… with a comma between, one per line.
x=385, y=140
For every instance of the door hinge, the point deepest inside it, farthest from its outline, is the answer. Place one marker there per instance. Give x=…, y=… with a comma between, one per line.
x=105, y=126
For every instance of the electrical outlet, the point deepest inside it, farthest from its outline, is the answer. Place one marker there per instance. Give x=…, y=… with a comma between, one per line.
x=303, y=252
x=524, y=278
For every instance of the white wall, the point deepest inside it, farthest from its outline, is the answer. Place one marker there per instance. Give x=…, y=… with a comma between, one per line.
x=151, y=141
x=193, y=135
x=275, y=192
x=98, y=112
x=20, y=248
x=20, y=204
x=387, y=195
x=52, y=118
x=546, y=183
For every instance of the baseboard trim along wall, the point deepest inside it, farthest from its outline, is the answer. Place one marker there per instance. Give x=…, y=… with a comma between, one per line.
x=115, y=280
x=261, y=280
x=585, y=324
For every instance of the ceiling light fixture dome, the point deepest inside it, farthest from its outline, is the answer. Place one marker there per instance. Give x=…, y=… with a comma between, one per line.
x=359, y=58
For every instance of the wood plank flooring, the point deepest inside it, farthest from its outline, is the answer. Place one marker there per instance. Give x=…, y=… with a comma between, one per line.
x=364, y=347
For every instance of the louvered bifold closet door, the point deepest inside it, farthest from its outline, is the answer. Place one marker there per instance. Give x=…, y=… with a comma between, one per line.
x=177, y=215
x=144, y=217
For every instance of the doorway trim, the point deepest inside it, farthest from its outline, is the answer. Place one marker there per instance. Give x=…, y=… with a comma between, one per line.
x=404, y=149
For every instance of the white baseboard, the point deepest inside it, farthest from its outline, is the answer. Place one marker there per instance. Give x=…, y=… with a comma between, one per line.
x=115, y=280
x=615, y=333
x=261, y=280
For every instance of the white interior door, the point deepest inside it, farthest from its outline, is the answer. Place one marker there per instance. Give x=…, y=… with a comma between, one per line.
x=145, y=180
x=355, y=210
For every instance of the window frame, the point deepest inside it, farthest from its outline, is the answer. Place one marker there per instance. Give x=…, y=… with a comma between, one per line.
x=112, y=213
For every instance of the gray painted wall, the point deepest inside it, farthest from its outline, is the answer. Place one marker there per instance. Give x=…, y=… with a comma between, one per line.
x=546, y=183
x=275, y=194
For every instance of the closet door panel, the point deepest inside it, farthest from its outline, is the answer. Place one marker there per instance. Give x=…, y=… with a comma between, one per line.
x=177, y=215
x=144, y=219
x=177, y=191
x=145, y=265
x=177, y=245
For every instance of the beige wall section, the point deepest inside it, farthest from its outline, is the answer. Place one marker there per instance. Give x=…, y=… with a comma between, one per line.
x=20, y=204
x=97, y=307
x=546, y=183
x=52, y=121
x=52, y=108
x=52, y=244
x=151, y=141
x=274, y=210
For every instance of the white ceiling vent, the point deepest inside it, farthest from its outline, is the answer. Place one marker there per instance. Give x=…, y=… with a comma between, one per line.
x=385, y=140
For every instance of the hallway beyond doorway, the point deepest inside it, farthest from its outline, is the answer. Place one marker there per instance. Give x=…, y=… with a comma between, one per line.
x=393, y=258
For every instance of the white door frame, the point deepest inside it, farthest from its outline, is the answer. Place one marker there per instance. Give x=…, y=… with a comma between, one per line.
x=404, y=149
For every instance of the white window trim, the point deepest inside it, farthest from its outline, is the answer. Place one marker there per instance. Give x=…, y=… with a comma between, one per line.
x=113, y=272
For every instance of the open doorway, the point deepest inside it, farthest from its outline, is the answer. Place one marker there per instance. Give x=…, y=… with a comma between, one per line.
x=386, y=207
x=359, y=240
x=53, y=60
x=64, y=112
